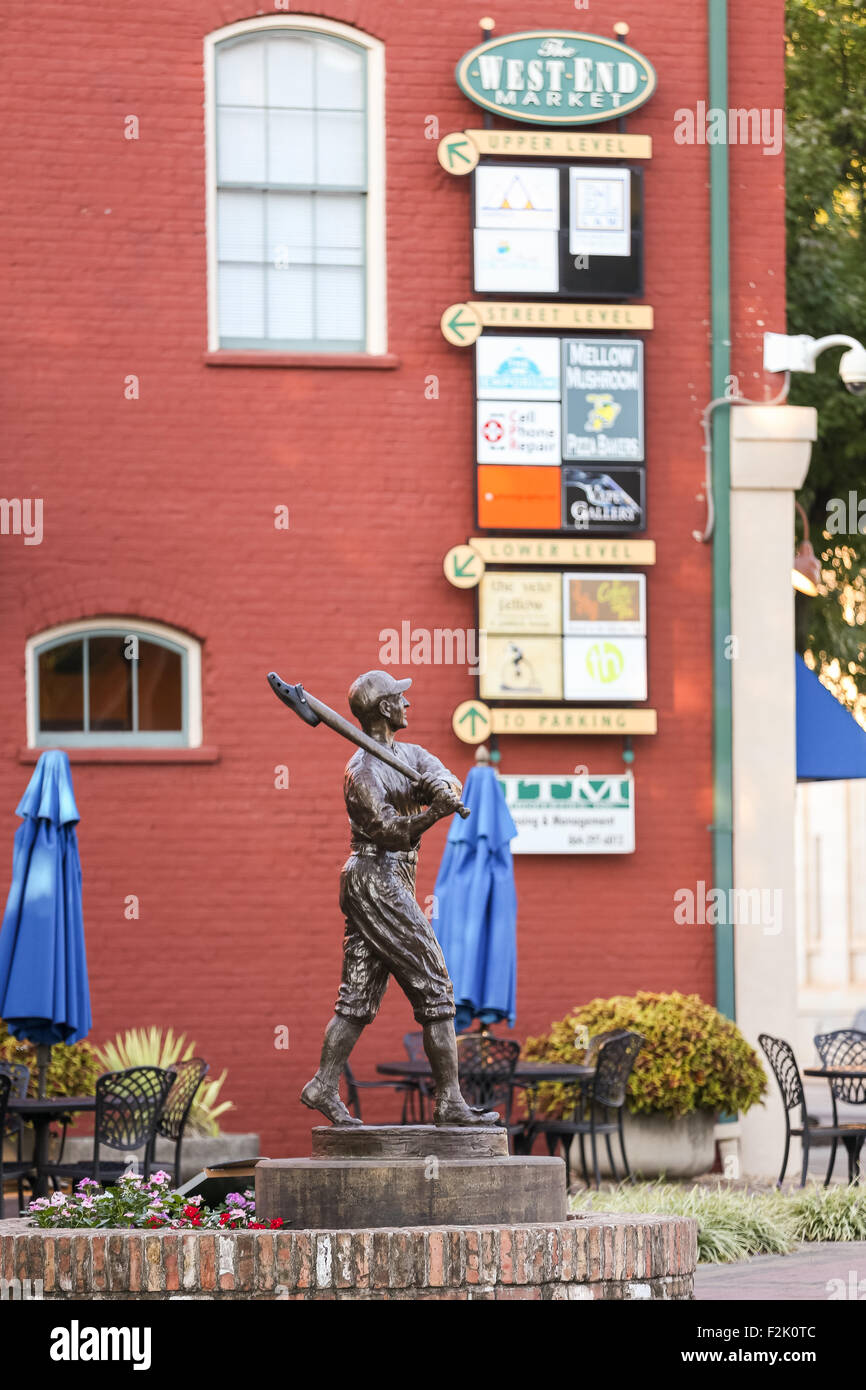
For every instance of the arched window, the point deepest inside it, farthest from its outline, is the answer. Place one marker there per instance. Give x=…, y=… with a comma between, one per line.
x=295, y=136
x=111, y=683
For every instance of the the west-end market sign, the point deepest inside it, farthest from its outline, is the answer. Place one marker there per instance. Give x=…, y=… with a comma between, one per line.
x=556, y=77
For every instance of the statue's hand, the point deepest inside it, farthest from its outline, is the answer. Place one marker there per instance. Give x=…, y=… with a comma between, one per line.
x=429, y=787
x=445, y=802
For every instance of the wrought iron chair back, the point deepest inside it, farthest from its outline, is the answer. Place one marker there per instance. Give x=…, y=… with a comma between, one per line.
x=615, y=1061
x=486, y=1065
x=128, y=1104
x=19, y=1079
x=781, y=1057
x=414, y=1045
x=597, y=1042
x=844, y=1048
x=186, y=1078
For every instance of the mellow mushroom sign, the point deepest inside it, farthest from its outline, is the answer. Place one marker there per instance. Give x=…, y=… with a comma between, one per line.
x=556, y=77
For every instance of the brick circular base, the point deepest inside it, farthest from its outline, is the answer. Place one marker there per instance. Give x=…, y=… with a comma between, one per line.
x=586, y=1257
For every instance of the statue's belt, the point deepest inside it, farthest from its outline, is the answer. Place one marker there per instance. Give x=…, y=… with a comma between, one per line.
x=374, y=852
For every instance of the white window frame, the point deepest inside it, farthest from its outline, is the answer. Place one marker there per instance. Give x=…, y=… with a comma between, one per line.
x=95, y=627
x=376, y=336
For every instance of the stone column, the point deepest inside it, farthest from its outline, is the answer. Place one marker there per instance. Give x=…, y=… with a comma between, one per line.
x=770, y=452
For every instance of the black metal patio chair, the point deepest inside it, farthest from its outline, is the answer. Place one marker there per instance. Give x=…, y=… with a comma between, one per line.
x=486, y=1069
x=598, y=1104
x=12, y=1128
x=403, y=1087
x=846, y=1047
x=187, y=1077
x=781, y=1057
x=128, y=1107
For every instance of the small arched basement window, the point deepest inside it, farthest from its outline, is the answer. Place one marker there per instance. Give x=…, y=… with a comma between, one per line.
x=112, y=683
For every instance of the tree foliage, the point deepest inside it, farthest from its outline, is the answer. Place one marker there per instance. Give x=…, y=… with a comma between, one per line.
x=826, y=221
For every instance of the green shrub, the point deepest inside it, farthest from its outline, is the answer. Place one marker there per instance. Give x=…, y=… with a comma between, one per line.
x=693, y=1057
x=732, y=1224
x=829, y=1213
x=72, y=1070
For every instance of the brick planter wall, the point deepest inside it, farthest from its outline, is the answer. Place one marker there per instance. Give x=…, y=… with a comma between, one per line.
x=609, y=1257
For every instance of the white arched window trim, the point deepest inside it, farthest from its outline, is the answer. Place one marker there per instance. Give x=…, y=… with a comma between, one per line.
x=377, y=330
x=190, y=666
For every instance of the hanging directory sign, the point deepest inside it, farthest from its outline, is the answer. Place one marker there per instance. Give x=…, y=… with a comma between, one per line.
x=603, y=400
x=571, y=814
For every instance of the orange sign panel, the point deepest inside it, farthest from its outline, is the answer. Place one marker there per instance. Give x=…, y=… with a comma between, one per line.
x=523, y=496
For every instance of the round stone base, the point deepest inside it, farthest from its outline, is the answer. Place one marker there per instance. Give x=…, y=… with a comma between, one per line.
x=347, y=1193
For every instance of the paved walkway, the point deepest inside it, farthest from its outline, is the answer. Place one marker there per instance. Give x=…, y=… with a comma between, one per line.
x=802, y=1277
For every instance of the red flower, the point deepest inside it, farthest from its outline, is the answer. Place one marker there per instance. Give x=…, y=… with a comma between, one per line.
x=276, y=1223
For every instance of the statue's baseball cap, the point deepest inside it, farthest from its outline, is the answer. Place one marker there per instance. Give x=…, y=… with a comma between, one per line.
x=366, y=692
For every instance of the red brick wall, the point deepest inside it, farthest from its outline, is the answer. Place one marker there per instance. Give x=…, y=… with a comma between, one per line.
x=162, y=508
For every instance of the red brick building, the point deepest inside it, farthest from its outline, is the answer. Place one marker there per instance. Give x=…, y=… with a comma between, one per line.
x=163, y=451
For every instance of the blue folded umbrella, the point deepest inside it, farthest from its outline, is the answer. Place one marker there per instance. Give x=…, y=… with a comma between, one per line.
x=44, y=993
x=476, y=904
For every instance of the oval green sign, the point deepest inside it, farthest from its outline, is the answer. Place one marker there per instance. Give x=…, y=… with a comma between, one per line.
x=556, y=77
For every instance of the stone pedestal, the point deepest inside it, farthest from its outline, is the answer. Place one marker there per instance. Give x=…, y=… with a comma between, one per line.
x=385, y=1176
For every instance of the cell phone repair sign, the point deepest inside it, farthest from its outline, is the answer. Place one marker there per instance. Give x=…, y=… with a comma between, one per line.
x=571, y=814
x=602, y=400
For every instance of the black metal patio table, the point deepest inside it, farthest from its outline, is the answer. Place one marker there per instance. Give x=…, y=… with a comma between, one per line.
x=527, y=1075
x=838, y=1074
x=843, y=1073
x=40, y=1113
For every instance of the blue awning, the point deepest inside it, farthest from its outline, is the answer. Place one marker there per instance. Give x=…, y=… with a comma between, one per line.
x=831, y=746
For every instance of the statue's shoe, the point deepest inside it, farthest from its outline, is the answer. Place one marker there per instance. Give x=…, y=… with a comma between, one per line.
x=459, y=1113
x=328, y=1103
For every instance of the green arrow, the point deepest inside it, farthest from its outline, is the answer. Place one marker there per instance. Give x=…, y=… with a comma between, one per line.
x=454, y=148
x=457, y=323
x=461, y=571
x=472, y=714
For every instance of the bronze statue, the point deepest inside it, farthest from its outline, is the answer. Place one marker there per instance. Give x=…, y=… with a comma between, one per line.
x=394, y=792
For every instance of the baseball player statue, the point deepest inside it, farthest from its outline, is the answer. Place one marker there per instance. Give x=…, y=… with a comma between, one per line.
x=386, y=931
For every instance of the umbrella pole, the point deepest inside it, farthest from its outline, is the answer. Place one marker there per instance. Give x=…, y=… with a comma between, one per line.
x=43, y=1061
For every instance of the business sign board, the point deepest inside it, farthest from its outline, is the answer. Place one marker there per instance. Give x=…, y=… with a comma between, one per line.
x=518, y=432
x=519, y=497
x=516, y=602
x=517, y=369
x=521, y=668
x=556, y=77
x=599, y=499
x=571, y=814
x=599, y=211
x=604, y=667
x=514, y=197
x=603, y=400
x=518, y=262
x=599, y=603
